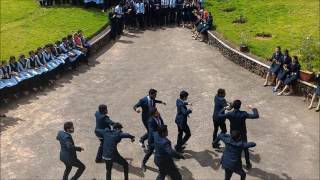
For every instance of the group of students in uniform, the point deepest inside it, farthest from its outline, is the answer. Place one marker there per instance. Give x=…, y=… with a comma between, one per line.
x=152, y=13
x=285, y=71
x=42, y=64
x=110, y=134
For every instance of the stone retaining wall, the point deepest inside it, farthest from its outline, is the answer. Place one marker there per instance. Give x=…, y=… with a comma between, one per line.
x=302, y=88
x=99, y=41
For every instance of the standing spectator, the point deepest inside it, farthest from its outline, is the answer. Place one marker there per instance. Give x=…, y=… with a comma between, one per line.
x=119, y=17
x=68, y=152
x=316, y=93
x=140, y=13
x=113, y=24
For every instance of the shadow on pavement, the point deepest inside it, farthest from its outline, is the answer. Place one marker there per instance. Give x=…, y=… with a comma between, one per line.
x=7, y=122
x=186, y=173
x=261, y=174
x=205, y=158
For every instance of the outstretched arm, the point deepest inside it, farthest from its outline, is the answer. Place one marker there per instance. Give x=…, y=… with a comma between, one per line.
x=254, y=115
x=160, y=102
x=248, y=145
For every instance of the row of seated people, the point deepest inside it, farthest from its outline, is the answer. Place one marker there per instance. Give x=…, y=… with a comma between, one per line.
x=203, y=23
x=42, y=64
x=285, y=71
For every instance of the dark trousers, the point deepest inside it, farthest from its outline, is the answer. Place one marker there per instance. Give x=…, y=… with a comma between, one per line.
x=181, y=140
x=145, y=136
x=218, y=124
x=57, y=2
x=148, y=154
x=229, y=172
x=246, y=151
x=119, y=160
x=140, y=18
x=77, y=163
x=100, y=150
x=167, y=168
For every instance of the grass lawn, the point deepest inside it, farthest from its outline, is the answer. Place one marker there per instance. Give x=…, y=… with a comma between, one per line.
x=289, y=22
x=25, y=26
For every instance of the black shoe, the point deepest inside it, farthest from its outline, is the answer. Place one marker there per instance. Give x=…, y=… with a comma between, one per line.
x=99, y=161
x=215, y=145
x=248, y=166
x=143, y=167
x=178, y=149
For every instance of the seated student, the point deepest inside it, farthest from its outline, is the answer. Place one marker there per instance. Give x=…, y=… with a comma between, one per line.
x=275, y=66
x=8, y=74
x=284, y=70
x=19, y=69
x=41, y=57
x=292, y=77
x=79, y=44
x=74, y=48
x=13, y=71
x=52, y=61
x=85, y=43
x=204, y=26
x=57, y=52
x=316, y=93
x=65, y=49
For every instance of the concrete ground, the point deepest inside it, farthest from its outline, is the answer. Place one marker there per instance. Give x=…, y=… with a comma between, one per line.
x=287, y=135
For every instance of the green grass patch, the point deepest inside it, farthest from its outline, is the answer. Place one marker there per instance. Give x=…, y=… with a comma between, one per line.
x=25, y=26
x=289, y=22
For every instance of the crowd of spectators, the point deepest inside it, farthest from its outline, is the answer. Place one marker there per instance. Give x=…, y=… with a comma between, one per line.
x=42, y=64
x=140, y=14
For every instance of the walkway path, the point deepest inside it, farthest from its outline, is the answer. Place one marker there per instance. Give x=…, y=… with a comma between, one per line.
x=168, y=60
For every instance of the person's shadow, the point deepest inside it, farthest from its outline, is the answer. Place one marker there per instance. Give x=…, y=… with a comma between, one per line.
x=261, y=174
x=186, y=173
x=132, y=169
x=205, y=158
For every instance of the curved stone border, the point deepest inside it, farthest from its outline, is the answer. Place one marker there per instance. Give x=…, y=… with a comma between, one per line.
x=99, y=41
x=253, y=65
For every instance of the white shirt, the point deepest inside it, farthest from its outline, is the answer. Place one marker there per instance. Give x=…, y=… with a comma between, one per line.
x=118, y=11
x=139, y=8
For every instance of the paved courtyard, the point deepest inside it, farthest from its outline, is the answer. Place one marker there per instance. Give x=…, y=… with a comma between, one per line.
x=287, y=135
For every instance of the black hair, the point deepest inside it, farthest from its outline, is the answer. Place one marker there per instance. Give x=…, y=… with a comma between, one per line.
x=67, y=125
x=286, y=51
x=102, y=108
x=12, y=57
x=279, y=48
x=221, y=92
x=69, y=36
x=162, y=129
x=235, y=135
x=152, y=91
x=236, y=104
x=117, y=126
x=30, y=52
x=183, y=94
